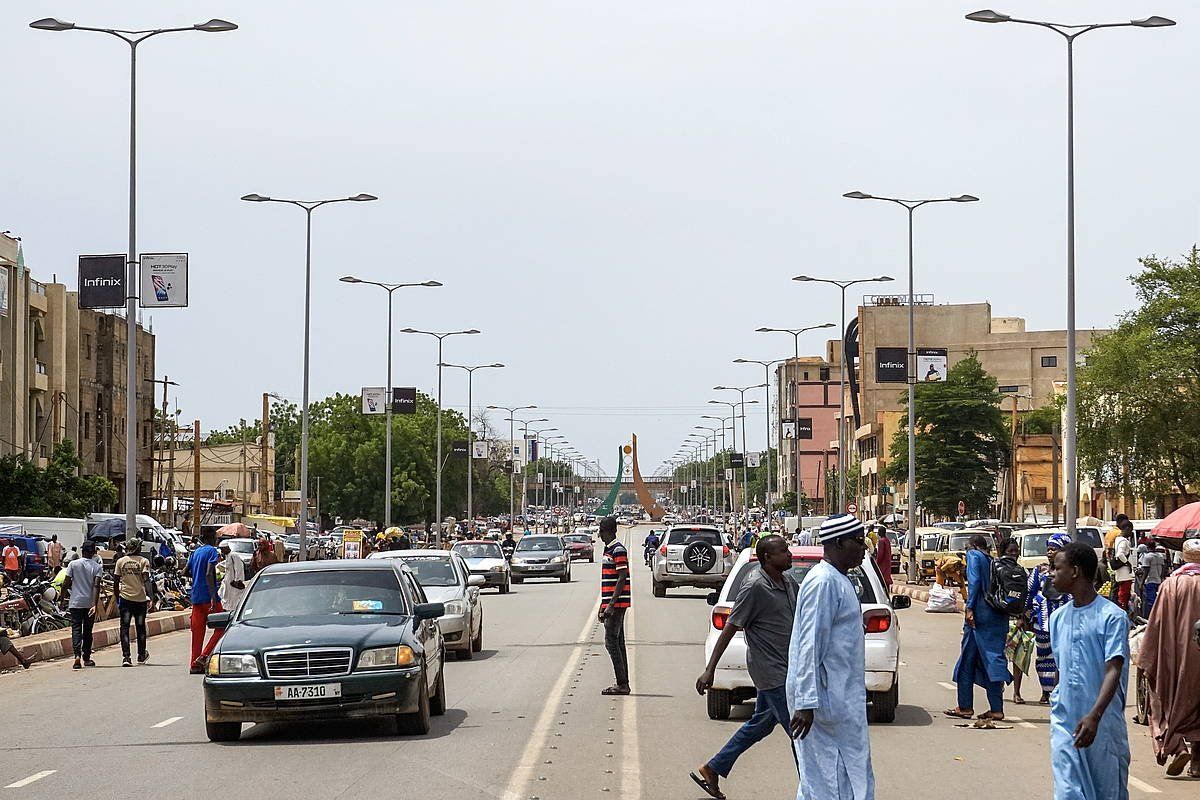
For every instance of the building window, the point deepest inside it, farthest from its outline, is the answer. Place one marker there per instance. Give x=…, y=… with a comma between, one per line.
x=805, y=378
x=87, y=425
x=254, y=481
x=1049, y=361
x=87, y=346
x=1039, y=494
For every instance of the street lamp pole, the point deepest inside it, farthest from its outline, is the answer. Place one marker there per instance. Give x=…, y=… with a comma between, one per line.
x=470, y=370
x=843, y=439
x=1070, y=33
x=512, y=412
x=441, y=337
x=309, y=206
x=133, y=39
x=911, y=361
x=741, y=390
x=390, y=288
x=766, y=365
x=525, y=472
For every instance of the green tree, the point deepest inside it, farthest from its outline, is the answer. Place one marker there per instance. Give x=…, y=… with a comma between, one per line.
x=1041, y=420
x=1140, y=387
x=962, y=441
x=56, y=491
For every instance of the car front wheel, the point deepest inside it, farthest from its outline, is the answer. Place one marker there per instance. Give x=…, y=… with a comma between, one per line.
x=223, y=731
x=416, y=723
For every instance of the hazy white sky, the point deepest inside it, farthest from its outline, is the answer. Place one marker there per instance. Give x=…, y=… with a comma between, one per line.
x=616, y=194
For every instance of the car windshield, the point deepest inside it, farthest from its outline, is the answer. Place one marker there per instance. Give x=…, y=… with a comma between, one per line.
x=1089, y=535
x=689, y=535
x=539, y=543
x=929, y=542
x=800, y=569
x=959, y=543
x=578, y=538
x=487, y=550
x=1034, y=544
x=326, y=591
x=240, y=546
x=293, y=539
x=950, y=526
x=433, y=570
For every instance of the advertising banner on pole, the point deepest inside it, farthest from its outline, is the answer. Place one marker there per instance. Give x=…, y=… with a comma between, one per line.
x=352, y=539
x=737, y=459
x=804, y=428
x=753, y=459
x=373, y=400
x=459, y=448
x=480, y=450
x=891, y=365
x=931, y=364
x=163, y=280
x=787, y=428
x=531, y=447
x=102, y=281
x=729, y=474
x=404, y=399
x=541, y=478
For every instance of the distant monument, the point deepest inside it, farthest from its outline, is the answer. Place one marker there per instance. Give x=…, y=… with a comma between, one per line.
x=652, y=508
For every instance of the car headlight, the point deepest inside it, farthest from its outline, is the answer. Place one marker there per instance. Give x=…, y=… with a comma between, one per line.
x=455, y=608
x=385, y=657
x=232, y=664
x=558, y=559
x=498, y=568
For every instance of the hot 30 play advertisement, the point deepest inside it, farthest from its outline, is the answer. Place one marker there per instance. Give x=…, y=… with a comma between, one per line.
x=164, y=280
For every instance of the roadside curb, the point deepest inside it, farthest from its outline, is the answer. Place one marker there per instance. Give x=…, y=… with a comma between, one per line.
x=920, y=594
x=57, y=644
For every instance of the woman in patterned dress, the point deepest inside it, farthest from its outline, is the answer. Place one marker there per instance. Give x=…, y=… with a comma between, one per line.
x=1044, y=599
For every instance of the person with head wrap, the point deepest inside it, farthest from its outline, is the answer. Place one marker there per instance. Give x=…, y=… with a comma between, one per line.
x=1170, y=660
x=1043, y=601
x=981, y=659
x=826, y=674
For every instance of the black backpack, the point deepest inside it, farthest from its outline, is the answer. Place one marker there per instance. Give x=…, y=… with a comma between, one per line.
x=1008, y=590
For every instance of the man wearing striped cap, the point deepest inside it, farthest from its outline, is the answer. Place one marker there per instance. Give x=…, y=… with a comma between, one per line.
x=826, y=681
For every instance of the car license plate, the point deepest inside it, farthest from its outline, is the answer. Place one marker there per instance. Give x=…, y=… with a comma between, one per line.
x=309, y=691
x=538, y=566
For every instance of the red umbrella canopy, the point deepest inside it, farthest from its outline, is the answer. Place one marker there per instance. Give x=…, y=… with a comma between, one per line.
x=1182, y=523
x=236, y=530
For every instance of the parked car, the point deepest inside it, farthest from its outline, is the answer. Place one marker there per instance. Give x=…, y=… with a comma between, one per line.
x=581, y=546
x=690, y=555
x=323, y=640
x=243, y=549
x=484, y=558
x=446, y=579
x=731, y=681
x=1033, y=543
x=927, y=552
x=540, y=556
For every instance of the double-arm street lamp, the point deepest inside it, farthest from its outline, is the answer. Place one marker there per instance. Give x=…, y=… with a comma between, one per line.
x=843, y=440
x=741, y=390
x=308, y=206
x=766, y=365
x=540, y=491
x=470, y=370
x=441, y=337
x=733, y=417
x=795, y=332
x=133, y=39
x=512, y=457
x=1070, y=33
x=390, y=288
x=911, y=361
x=525, y=472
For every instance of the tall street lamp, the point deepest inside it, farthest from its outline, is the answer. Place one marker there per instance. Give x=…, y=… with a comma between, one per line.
x=512, y=410
x=390, y=288
x=724, y=422
x=766, y=365
x=470, y=370
x=441, y=337
x=911, y=361
x=741, y=390
x=795, y=332
x=309, y=206
x=525, y=472
x=540, y=493
x=133, y=39
x=712, y=434
x=733, y=418
x=843, y=443
x=1070, y=33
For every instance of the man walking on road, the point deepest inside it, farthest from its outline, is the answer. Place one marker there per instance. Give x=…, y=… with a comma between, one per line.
x=83, y=582
x=202, y=566
x=826, y=677
x=614, y=602
x=54, y=553
x=133, y=574
x=981, y=660
x=233, y=584
x=764, y=608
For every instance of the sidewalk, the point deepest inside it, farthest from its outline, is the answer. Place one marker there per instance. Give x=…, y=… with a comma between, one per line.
x=57, y=644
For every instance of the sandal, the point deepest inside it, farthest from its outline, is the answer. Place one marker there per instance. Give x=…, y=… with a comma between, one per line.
x=1019, y=701
x=994, y=716
x=616, y=690
x=1177, y=764
x=958, y=713
x=717, y=794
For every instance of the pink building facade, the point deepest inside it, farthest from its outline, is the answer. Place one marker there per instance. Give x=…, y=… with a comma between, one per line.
x=808, y=393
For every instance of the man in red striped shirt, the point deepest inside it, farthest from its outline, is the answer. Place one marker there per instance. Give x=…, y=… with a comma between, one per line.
x=614, y=602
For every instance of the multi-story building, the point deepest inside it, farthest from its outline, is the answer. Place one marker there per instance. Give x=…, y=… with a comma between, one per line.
x=808, y=397
x=1028, y=365
x=62, y=375
x=229, y=473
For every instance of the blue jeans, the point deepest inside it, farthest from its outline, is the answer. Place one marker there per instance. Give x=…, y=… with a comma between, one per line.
x=770, y=709
x=1149, y=595
x=971, y=670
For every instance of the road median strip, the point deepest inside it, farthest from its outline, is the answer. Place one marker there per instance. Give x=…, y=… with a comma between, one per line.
x=57, y=644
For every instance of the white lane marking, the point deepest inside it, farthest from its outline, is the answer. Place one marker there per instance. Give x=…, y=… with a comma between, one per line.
x=523, y=773
x=37, y=776
x=949, y=686
x=166, y=722
x=631, y=768
x=1143, y=786
x=1020, y=722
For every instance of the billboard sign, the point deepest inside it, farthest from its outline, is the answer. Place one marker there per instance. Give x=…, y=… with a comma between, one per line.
x=787, y=428
x=891, y=365
x=737, y=459
x=729, y=474
x=753, y=460
x=102, y=281
x=459, y=448
x=164, y=280
x=404, y=400
x=480, y=450
x=372, y=400
x=931, y=364
x=804, y=428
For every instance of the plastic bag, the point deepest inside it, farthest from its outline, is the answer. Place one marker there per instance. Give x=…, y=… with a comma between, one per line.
x=941, y=600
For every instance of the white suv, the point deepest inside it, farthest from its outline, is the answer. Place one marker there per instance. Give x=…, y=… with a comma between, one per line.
x=732, y=684
x=690, y=555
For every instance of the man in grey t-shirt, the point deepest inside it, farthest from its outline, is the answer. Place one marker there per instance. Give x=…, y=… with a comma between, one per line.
x=763, y=610
x=83, y=582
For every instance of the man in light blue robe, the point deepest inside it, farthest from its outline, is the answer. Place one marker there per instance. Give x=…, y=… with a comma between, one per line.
x=1089, y=740
x=826, y=681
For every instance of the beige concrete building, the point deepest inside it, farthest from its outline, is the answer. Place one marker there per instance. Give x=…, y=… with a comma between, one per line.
x=230, y=473
x=1027, y=364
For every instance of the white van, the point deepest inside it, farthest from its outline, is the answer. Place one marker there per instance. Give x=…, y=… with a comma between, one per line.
x=150, y=531
x=70, y=532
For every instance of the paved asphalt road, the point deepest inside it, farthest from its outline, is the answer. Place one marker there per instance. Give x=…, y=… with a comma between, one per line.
x=525, y=721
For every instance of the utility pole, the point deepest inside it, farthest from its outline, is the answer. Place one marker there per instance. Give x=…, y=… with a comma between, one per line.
x=264, y=492
x=156, y=462
x=196, y=478
x=243, y=476
x=171, y=473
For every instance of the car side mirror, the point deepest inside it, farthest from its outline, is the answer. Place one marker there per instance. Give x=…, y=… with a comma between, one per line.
x=712, y=598
x=428, y=611
x=219, y=621
x=901, y=601
x=476, y=580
